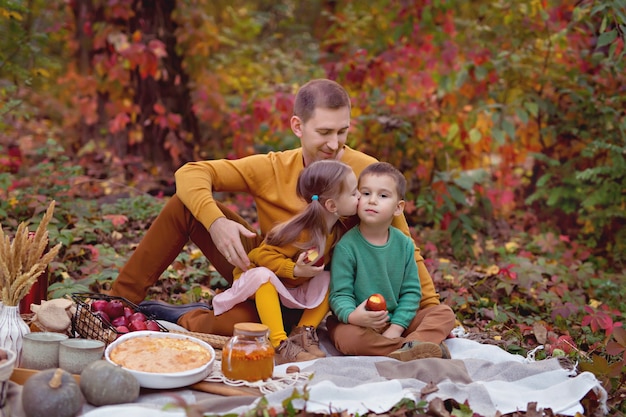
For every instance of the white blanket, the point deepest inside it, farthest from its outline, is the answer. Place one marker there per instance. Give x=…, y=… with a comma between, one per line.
x=488, y=378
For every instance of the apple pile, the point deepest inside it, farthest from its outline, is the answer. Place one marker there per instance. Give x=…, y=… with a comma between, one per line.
x=123, y=318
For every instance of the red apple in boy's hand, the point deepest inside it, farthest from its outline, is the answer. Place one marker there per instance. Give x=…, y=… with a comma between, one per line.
x=376, y=302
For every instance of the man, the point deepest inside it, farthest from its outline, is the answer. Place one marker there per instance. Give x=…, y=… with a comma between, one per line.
x=321, y=120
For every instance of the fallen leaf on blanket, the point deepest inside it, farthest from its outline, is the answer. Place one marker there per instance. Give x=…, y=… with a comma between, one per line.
x=429, y=389
x=437, y=408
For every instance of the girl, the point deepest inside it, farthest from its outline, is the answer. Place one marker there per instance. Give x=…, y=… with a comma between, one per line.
x=290, y=265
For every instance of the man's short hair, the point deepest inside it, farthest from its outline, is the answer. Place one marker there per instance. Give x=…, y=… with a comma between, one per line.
x=321, y=93
x=385, y=168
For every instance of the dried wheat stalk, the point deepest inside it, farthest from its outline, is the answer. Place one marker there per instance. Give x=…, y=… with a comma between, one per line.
x=23, y=259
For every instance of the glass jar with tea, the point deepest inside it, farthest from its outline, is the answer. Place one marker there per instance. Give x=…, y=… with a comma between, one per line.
x=248, y=355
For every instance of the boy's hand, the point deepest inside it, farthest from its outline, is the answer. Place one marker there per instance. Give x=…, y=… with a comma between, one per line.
x=376, y=320
x=306, y=270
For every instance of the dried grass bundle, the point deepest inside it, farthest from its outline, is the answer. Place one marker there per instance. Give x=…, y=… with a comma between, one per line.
x=22, y=260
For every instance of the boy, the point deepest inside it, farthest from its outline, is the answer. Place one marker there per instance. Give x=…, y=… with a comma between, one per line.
x=375, y=257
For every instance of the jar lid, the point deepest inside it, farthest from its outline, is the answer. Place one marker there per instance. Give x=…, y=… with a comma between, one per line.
x=251, y=328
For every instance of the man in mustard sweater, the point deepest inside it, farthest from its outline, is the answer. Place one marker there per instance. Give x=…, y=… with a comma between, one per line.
x=321, y=120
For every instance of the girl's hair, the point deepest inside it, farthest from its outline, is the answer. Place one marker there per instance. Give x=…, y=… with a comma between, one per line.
x=325, y=179
x=320, y=93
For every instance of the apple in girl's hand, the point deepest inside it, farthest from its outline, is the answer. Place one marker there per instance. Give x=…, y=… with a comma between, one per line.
x=312, y=255
x=376, y=302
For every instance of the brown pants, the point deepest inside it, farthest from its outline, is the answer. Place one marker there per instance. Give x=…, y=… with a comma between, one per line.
x=430, y=324
x=163, y=242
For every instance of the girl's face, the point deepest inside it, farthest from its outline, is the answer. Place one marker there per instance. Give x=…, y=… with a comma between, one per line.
x=348, y=200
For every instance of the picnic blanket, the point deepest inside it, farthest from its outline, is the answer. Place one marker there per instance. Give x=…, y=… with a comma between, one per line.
x=489, y=379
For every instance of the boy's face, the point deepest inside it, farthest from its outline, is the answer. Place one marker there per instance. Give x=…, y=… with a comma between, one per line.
x=379, y=201
x=323, y=135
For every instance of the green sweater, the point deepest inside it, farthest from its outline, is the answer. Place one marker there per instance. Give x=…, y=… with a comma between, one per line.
x=360, y=269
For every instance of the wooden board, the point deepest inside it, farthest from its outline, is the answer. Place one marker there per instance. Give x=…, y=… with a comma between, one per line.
x=21, y=375
x=220, y=388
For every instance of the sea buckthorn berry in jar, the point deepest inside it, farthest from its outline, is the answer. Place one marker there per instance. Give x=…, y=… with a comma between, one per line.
x=248, y=355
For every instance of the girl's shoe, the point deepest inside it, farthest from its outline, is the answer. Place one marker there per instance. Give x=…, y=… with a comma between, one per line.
x=306, y=337
x=288, y=351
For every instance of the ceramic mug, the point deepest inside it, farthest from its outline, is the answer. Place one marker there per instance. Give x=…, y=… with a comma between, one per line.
x=76, y=354
x=40, y=350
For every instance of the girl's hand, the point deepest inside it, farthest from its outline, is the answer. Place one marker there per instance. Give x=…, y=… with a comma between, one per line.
x=361, y=316
x=306, y=270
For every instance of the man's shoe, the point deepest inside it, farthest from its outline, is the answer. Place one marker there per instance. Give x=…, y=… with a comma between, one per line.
x=169, y=312
x=288, y=351
x=306, y=337
x=416, y=350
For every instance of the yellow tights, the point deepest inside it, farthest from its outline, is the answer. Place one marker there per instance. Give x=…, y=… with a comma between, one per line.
x=268, y=307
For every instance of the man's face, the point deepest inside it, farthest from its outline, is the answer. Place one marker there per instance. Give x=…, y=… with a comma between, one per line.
x=323, y=135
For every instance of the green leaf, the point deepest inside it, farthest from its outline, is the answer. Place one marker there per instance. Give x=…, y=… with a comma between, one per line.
x=475, y=136
x=606, y=38
x=454, y=130
x=457, y=195
x=523, y=115
x=532, y=108
x=509, y=128
x=499, y=136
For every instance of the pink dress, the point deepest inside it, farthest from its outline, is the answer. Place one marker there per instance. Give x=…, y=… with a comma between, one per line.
x=305, y=296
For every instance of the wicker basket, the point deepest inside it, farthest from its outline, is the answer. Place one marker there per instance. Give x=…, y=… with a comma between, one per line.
x=87, y=325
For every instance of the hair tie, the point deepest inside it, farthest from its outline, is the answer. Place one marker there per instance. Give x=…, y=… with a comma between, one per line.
x=315, y=197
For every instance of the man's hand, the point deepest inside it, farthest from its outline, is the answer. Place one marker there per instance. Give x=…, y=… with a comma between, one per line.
x=226, y=235
x=376, y=320
x=306, y=270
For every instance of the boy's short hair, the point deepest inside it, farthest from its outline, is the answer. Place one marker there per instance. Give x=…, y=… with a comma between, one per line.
x=385, y=168
x=319, y=93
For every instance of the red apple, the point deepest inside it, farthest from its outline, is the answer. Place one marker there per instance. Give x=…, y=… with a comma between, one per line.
x=122, y=329
x=120, y=321
x=376, y=302
x=114, y=309
x=152, y=325
x=106, y=320
x=98, y=305
x=137, y=325
x=128, y=312
x=313, y=255
x=137, y=316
